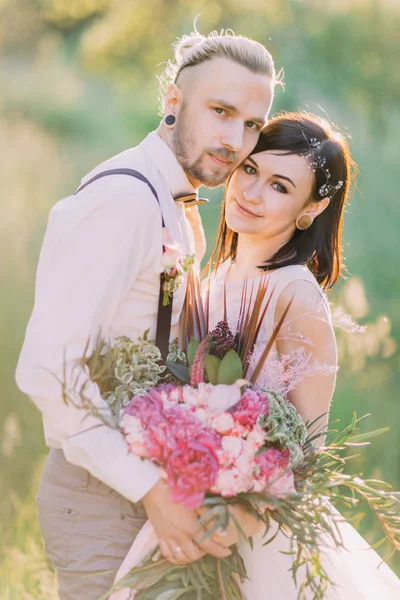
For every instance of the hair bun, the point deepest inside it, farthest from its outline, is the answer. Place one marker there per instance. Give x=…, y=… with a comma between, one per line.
x=185, y=45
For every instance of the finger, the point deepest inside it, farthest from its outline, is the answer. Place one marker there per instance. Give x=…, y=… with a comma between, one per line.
x=209, y=546
x=166, y=552
x=192, y=550
x=178, y=551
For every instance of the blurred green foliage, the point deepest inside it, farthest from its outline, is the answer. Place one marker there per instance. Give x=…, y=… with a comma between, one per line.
x=78, y=84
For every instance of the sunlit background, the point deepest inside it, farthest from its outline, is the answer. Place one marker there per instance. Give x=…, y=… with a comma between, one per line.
x=78, y=84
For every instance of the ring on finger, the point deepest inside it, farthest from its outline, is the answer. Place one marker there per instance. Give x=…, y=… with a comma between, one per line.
x=176, y=550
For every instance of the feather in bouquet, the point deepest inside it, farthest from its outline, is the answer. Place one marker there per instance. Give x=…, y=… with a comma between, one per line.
x=218, y=440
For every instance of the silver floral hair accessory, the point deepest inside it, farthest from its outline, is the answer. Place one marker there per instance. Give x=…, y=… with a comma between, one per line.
x=327, y=190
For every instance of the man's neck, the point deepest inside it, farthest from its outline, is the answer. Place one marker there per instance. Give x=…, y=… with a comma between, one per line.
x=166, y=135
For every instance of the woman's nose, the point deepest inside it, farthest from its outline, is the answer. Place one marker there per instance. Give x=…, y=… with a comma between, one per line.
x=252, y=195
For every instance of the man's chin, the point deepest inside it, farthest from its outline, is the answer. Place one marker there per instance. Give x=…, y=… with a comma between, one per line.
x=213, y=179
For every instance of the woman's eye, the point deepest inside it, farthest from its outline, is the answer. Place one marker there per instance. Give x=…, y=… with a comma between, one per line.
x=279, y=187
x=250, y=170
x=220, y=111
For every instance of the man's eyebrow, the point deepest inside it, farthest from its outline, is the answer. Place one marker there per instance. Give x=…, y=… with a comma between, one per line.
x=259, y=120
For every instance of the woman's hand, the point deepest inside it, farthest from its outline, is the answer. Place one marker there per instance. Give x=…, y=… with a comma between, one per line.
x=227, y=537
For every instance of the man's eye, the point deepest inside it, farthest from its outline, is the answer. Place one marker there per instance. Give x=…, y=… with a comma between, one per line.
x=220, y=111
x=250, y=170
x=253, y=126
x=279, y=187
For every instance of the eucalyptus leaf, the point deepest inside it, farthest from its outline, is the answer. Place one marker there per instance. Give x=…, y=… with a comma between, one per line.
x=230, y=369
x=212, y=364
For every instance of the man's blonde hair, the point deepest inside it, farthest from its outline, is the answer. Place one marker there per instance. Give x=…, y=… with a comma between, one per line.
x=194, y=49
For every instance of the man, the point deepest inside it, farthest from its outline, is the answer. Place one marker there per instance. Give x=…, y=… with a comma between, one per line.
x=96, y=270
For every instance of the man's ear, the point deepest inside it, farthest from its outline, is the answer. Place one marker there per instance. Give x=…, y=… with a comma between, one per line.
x=172, y=100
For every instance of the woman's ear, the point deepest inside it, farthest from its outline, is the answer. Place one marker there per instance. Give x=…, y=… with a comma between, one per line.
x=313, y=209
x=311, y=212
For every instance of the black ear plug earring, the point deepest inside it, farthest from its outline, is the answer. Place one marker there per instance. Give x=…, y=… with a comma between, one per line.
x=170, y=120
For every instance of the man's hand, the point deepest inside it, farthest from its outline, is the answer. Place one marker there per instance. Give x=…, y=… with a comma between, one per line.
x=194, y=219
x=178, y=530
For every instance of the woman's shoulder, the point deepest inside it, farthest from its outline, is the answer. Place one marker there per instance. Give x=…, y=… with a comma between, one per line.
x=299, y=287
x=293, y=273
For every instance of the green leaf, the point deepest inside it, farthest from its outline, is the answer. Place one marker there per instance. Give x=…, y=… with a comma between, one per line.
x=192, y=349
x=171, y=594
x=366, y=436
x=181, y=372
x=230, y=368
x=212, y=364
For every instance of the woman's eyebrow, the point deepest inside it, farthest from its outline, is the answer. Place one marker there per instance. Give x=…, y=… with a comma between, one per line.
x=284, y=177
x=275, y=174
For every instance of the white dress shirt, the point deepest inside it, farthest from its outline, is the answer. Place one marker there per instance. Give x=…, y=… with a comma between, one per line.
x=97, y=270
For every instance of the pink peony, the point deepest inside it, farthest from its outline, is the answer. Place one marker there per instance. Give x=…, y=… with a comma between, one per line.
x=273, y=470
x=272, y=460
x=192, y=470
x=251, y=405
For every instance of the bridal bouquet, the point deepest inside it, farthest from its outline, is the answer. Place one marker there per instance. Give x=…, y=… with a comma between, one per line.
x=219, y=440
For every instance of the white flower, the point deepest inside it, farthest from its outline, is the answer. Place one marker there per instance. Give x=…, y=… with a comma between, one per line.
x=223, y=397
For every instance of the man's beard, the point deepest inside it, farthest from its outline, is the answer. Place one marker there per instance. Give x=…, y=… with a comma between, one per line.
x=182, y=141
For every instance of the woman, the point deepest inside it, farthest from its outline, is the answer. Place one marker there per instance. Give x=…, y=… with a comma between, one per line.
x=282, y=220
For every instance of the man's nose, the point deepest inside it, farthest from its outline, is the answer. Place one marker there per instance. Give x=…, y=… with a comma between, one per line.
x=233, y=137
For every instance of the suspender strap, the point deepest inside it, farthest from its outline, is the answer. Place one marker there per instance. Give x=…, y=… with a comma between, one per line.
x=164, y=315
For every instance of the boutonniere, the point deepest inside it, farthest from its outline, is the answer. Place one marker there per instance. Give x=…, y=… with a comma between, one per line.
x=174, y=263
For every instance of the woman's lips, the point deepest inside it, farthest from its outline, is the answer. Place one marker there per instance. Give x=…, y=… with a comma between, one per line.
x=244, y=211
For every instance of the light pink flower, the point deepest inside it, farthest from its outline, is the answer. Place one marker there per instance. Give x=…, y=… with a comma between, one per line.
x=281, y=484
x=233, y=445
x=197, y=396
x=134, y=435
x=201, y=414
x=256, y=437
x=222, y=423
x=172, y=254
x=231, y=482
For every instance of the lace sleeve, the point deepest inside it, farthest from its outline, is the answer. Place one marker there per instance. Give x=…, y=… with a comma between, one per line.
x=303, y=364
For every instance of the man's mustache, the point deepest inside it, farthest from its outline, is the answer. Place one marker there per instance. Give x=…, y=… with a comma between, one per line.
x=225, y=154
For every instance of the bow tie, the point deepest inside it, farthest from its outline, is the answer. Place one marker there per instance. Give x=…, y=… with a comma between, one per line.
x=190, y=199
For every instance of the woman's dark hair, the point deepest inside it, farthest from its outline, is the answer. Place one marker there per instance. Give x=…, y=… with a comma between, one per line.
x=318, y=247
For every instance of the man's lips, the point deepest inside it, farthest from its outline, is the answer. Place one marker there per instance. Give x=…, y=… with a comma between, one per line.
x=222, y=162
x=245, y=211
